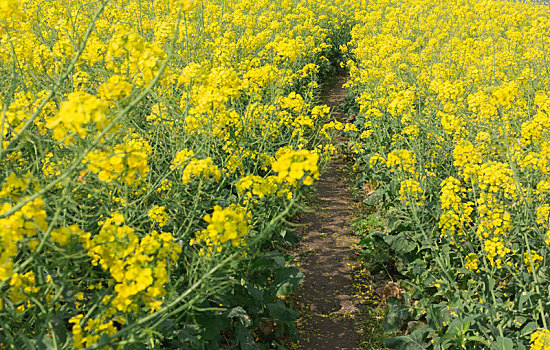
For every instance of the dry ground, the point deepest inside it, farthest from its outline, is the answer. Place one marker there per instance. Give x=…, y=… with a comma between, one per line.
x=328, y=254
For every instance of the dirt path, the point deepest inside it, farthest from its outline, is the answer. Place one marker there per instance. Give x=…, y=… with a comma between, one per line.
x=327, y=255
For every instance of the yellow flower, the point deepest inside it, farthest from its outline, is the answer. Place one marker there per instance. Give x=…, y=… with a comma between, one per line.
x=181, y=158
x=533, y=257
x=10, y=9
x=63, y=235
x=294, y=165
x=402, y=159
x=200, y=168
x=127, y=163
x=74, y=114
x=496, y=251
x=472, y=261
x=115, y=89
x=540, y=340
x=187, y=5
x=158, y=214
x=410, y=189
x=225, y=224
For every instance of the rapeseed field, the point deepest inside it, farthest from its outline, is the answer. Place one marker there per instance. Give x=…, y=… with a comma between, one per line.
x=152, y=151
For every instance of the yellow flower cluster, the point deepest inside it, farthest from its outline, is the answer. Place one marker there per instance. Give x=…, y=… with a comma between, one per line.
x=126, y=163
x=401, y=159
x=224, y=224
x=130, y=54
x=534, y=258
x=159, y=215
x=453, y=101
x=23, y=286
x=496, y=251
x=457, y=212
x=200, y=168
x=91, y=333
x=540, y=340
x=139, y=266
x=75, y=114
x=10, y=9
x=115, y=89
x=292, y=166
x=123, y=110
x=254, y=185
x=181, y=158
x=50, y=167
x=24, y=223
x=64, y=235
x=410, y=190
x=472, y=262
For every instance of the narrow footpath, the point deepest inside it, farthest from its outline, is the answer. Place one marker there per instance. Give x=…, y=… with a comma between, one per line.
x=327, y=255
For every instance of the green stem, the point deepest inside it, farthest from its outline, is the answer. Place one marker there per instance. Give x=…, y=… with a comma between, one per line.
x=78, y=161
x=171, y=308
x=32, y=118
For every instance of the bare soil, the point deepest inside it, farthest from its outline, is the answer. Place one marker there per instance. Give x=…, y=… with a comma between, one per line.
x=328, y=299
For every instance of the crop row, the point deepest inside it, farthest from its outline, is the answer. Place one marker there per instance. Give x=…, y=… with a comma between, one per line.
x=453, y=118
x=150, y=152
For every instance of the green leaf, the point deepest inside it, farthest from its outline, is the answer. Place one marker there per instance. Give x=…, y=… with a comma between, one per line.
x=211, y=325
x=529, y=328
x=503, y=343
x=286, y=279
x=478, y=339
x=59, y=329
x=245, y=340
x=523, y=298
x=374, y=198
x=45, y=343
x=413, y=341
x=241, y=314
x=292, y=238
x=400, y=244
x=396, y=318
x=278, y=260
x=403, y=343
x=255, y=293
x=281, y=313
